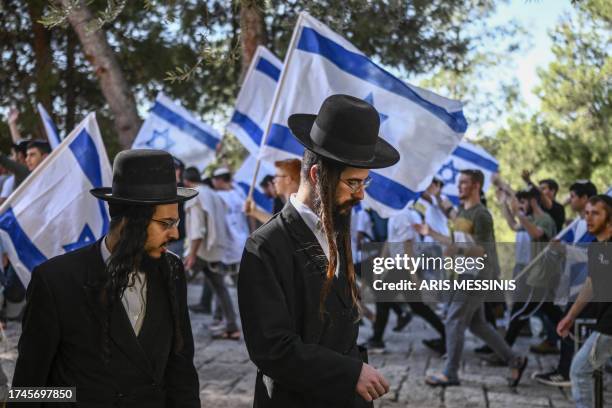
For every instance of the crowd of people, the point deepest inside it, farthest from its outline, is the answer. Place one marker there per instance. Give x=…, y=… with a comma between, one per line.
x=539, y=221
x=219, y=233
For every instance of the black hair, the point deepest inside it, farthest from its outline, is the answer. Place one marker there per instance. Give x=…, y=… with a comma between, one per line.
x=192, y=174
x=551, y=184
x=584, y=188
x=41, y=145
x=528, y=194
x=21, y=147
x=438, y=182
x=475, y=175
x=606, y=201
x=128, y=256
x=266, y=180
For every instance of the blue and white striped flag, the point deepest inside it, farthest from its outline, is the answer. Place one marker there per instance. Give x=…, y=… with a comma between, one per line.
x=52, y=211
x=172, y=128
x=466, y=156
x=244, y=178
x=50, y=128
x=423, y=126
x=255, y=99
x=577, y=237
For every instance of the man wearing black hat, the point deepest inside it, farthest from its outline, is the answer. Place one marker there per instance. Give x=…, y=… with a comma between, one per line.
x=111, y=318
x=296, y=288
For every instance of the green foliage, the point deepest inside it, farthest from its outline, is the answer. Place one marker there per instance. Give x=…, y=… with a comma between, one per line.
x=190, y=49
x=569, y=137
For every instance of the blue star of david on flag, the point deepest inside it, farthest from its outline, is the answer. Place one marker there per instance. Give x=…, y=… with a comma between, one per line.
x=448, y=173
x=370, y=99
x=160, y=140
x=85, y=238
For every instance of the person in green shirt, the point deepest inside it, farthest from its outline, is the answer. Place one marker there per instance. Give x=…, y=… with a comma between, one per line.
x=473, y=225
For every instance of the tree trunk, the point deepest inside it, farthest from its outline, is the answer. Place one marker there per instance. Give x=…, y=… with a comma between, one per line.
x=110, y=77
x=252, y=30
x=43, y=62
x=70, y=93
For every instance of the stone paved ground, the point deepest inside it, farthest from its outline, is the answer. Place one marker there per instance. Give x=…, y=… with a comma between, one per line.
x=227, y=376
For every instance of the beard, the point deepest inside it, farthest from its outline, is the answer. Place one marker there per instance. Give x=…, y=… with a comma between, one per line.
x=342, y=215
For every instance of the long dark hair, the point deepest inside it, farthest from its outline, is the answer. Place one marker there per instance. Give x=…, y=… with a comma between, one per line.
x=128, y=256
x=336, y=226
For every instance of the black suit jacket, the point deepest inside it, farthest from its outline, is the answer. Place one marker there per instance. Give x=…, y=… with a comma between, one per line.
x=312, y=359
x=62, y=338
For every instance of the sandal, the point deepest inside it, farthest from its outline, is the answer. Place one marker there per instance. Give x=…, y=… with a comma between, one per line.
x=440, y=380
x=227, y=335
x=514, y=381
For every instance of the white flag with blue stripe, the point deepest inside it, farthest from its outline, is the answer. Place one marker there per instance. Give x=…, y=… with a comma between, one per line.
x=244, y=178
x=50, y=128
x=52, y=211
x=255, y=99
x=466, y=156
x=423, y=126
x=172, y=128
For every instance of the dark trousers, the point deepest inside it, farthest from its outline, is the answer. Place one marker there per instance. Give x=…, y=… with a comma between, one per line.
x=553, y=314
x=419, y=308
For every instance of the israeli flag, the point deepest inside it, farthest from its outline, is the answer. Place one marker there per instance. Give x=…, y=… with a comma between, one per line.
x=50, y=129
x=255, y=99
x=423, y=126
x=52, y=211
x=466, y=156
x=244, y=178
x=174, y=129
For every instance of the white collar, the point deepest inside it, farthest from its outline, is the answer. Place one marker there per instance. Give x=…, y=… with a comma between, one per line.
x=104, y=250
x=310, y=218
x=313, y=223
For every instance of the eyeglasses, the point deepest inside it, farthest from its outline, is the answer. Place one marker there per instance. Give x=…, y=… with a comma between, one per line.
x=168, y=224
x=355, y=185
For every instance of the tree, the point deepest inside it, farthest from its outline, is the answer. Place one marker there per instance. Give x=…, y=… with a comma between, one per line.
x=107, y=69
x=576, y=98
x=252, y=30
x=211, y=40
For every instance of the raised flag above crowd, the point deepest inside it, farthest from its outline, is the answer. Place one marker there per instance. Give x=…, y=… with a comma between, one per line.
x=172, y=128
x=52, y=211
x=255, y=99
x=50, y=128
x=423, y=126
x=466, y=156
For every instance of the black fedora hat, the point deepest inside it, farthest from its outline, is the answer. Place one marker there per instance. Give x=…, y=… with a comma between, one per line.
x=346, y=131
x=144, y=176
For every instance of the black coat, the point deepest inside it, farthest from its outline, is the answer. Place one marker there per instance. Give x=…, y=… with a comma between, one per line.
x=62, y=339
x=314, y=361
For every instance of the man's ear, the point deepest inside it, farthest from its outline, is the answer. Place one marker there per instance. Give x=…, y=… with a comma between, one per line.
x=313, y=174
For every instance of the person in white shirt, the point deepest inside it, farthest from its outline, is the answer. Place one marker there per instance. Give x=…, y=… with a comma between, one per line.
x=208, y=245
x=238, y=227
x=435, y=216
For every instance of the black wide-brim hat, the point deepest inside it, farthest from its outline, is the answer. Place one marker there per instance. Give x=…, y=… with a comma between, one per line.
x=346, y=131
x=146, y=177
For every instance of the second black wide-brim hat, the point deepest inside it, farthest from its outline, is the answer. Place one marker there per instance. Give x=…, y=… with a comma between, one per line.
x=146, y=177
x=346, y=131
